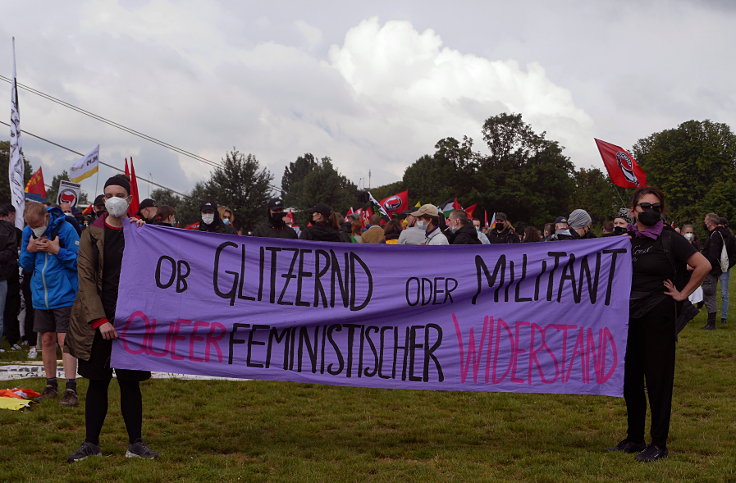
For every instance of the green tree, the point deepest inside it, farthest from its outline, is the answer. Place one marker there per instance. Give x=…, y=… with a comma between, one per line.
x=295, y=172
x=240, y=184
x=165, y=197
x=323, y=184
x=595, y=194
x=4, y=168
x=694, y=165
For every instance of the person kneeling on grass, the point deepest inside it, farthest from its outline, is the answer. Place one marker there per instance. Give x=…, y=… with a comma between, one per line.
x=91, y=330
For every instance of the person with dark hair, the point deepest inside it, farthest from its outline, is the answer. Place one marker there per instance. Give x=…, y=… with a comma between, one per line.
x=324, y=227
x=549, y=229
x=147, y=210
x=211, y=221
x=374, y=233
x=428, y=219
x=274, y=226
x=462, y=231
x=607, y=228
x=91, y=331
x=724, y=277
x=8, y=278
x=165, y=216
x=49, y=251
x=392, y=231
x=531, y=235
x=718, y=237
x=658, y=288
x=503, y=231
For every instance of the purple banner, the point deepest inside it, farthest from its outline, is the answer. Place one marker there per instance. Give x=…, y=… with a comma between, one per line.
x=539, y=317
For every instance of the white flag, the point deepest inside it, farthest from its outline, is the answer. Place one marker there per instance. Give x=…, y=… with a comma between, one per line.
x=86, y=166
x=380, y=208
x=15, y=167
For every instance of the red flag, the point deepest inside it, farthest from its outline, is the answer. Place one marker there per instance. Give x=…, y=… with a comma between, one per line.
x=470, y=210
x=127, y=171
x=350, y=212
x=133, y=190
x=396, y=203
x=36, y=185
x=456, y=205
x=622, y=168
x=485, y=218
x=193, y=226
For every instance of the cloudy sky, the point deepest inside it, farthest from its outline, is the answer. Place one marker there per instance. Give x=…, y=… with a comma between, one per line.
x=373, y=85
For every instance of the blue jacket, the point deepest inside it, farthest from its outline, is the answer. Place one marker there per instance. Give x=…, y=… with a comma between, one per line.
x=54, y=282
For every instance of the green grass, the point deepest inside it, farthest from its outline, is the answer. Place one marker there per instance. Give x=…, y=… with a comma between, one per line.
x=257, y=430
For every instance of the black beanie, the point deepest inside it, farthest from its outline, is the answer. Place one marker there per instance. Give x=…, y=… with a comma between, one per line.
x=119, y=180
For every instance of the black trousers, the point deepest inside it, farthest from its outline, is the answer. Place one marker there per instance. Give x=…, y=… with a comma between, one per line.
x=12, y=307
x=650, y=357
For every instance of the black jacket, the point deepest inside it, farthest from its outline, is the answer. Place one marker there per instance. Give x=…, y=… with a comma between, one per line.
x=713, y=246
x=466, y=235
x=269, y=230
x=321, y=232
x=8, y=250
x=506, y=236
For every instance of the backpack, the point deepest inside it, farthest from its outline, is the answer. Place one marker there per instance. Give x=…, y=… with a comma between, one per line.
x=728, y=252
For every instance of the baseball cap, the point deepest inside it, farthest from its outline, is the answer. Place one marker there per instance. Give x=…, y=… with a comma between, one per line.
x=428, y=210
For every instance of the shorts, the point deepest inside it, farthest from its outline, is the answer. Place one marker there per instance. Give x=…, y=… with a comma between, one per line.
x=54, y=320
x=98, y=365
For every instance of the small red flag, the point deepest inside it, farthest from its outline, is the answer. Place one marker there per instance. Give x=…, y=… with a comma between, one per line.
x=133, y=190
x=396, y=203
x=485, y=218
x=470, y=210
x=36, y=185
x=622, y=168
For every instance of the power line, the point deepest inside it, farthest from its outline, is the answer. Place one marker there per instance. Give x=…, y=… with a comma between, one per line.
x=101, y=162
x=113, y=123
x=122, y=127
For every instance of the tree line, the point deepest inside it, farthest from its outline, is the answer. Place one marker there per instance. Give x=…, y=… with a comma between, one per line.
x=522, y=173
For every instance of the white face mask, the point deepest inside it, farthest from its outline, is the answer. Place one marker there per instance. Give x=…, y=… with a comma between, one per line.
x=689, y=236
x=208, y=218
x=38, y=232
x=116, y=207
x=421, y=225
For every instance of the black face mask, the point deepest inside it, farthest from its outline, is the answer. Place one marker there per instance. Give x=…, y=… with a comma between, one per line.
x=648, y=218
x=277, y=218
x=500, y=226
x=619, y=230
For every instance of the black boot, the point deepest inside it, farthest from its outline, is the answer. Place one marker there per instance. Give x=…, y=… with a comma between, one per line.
x=711, y=324
x=723, y=321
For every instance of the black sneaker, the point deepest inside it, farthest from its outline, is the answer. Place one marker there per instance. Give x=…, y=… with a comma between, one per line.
x=652, y=453
x=49, y=392
x=140, y=450
x=628, y=446
x=84, y=451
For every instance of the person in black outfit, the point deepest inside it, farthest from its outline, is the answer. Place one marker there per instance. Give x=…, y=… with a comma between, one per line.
x=659, y=255
x=91, y=329
x=461, y=230
x=275, y=227
x=503, y=232
x=717, y=236
x=325, y=225
x=211, y=220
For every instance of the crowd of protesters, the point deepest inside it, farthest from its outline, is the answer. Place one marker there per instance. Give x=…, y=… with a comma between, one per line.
x=59, y=280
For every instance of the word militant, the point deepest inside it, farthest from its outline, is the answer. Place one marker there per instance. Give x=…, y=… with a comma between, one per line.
x=344, y=350
x=527, y=352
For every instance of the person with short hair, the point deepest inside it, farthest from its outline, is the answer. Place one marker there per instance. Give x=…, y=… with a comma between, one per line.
x=479, y=230
x=723, y=279
x=210, y=219
x=147, y=210
x=275, y=226
x=325, y=225
x=503, y=232
x=91, y=330
x=374, y=233
x=428, y=219
x=461, y=229
x=717, y=237
x=165, y=216
x=49, y=250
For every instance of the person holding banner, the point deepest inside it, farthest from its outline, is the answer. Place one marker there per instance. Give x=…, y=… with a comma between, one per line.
x=659, y=283
x=91, y=330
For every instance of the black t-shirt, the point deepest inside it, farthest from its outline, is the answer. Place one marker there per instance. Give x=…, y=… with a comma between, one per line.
x=113, y=261
x=651, y=264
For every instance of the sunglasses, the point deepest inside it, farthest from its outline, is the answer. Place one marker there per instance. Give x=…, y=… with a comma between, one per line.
x=651, y=206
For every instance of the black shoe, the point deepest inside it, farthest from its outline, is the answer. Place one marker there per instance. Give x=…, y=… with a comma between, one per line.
x=86, y=450
x=140, y=450
x=723, y=321
x=652, y=453
x=628, y=446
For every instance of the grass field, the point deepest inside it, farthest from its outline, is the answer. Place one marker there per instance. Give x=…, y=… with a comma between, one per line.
x=256, y=430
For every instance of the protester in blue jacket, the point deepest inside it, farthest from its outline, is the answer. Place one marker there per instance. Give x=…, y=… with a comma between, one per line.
x=49, y=250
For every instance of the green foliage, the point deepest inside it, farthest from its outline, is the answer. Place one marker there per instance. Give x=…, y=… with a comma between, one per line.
x=595, y=194
x=694, y=165
x=307, y=182
x=166, y=197
x=4, y=168
x=239, y=183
